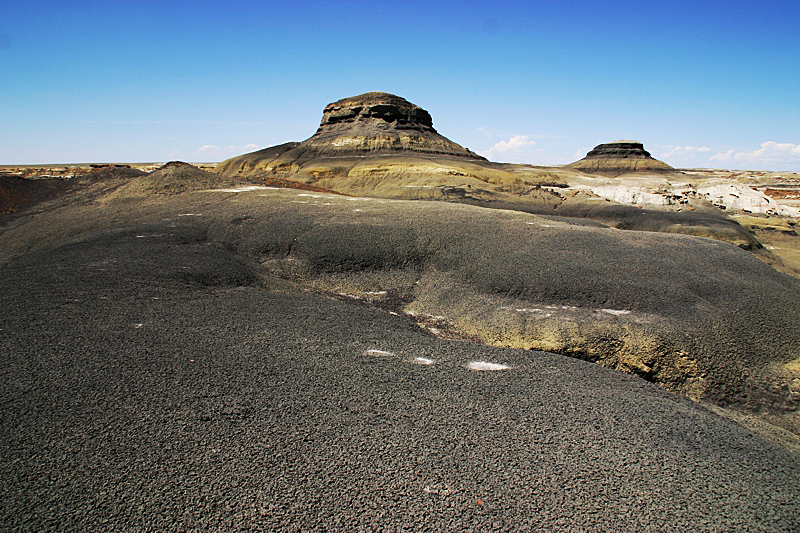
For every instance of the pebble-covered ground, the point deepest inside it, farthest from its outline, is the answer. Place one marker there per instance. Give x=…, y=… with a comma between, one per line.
x=139, y=394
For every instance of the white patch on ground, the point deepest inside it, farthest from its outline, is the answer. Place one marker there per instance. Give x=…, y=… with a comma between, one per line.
x=348, y=295
x=616, y=312
x=422, y=361
x=484, y=366
x=311, y=195
x=359, y=199
x=377, y=293
x=137, y=326
x=246, y=188
x=442, y=490
x=378, y=353
x=190, y=215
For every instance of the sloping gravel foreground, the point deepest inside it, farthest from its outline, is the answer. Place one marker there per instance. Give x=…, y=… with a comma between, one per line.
x=699, y=317
x=143, y=390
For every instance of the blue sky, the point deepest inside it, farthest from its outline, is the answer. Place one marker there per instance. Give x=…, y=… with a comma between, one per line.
x=700, y=83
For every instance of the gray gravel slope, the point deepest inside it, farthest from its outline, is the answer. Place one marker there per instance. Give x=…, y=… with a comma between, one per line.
x=150, y=385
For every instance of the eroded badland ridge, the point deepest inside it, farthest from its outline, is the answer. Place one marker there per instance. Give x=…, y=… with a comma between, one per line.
x=320, y=254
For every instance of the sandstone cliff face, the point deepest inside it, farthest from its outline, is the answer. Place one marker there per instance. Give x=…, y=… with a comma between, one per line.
x=370, y=124
x=620, y=157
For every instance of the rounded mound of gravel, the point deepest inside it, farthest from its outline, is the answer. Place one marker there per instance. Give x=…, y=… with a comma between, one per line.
x=172, y=178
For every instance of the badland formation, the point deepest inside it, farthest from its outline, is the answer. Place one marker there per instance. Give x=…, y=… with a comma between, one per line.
x=312, y=292
x=620, y=157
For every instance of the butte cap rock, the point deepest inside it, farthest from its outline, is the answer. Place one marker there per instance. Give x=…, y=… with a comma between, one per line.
x=620, y=157
x=375, y=122
x=370, y=124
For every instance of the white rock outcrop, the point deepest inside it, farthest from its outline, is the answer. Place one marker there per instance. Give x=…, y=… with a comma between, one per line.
x=727, y=195
x=743, y=198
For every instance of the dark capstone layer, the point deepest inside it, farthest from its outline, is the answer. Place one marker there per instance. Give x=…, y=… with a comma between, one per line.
x=377, y=107
x=619, y=150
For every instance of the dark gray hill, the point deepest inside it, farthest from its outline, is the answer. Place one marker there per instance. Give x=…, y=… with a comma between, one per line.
x=159, y=378
x=174, y=177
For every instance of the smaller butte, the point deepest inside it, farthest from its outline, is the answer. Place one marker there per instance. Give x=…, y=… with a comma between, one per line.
x=620, y=157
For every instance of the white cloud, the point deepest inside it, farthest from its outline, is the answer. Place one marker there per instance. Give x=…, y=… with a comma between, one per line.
x=517, y=149
x=772, y=156
x=214, y=150
x=685, y=150
x=684, y=156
